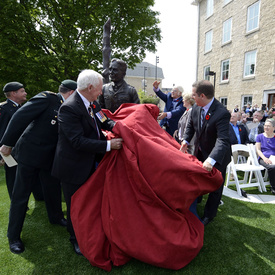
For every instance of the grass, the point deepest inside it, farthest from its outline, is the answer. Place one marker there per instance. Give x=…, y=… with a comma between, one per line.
x=241, y=240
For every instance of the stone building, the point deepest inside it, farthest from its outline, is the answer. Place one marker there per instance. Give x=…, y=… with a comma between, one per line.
x=144, y=73
x=236, y=43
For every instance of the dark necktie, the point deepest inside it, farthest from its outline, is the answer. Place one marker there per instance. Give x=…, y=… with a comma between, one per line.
x=202, y=116
x=91, y=112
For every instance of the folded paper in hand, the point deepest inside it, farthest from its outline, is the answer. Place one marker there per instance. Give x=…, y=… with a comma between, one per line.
x=272, y=158
x=9, y=160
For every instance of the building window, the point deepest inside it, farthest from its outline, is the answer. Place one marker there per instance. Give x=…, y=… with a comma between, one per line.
x=208, y=41
x=227, y=27
x=209, y=8
x=206, y=73
x=250, y=63
x=225, y=70
x=223, y=101
x=246, y=99
x=226, y=1
x=253, y=15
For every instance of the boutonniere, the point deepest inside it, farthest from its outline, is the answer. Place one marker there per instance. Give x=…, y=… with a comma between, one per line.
x=240, y=129
x=207, y=116
x=93, y=106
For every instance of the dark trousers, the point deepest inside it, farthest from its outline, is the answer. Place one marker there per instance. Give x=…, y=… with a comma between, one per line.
x=10, y=173
x=26, y=178
x=213, y=200
x=68, y=191
x=271, y=172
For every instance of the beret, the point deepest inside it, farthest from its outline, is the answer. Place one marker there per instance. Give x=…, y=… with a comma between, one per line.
x=12, y=86
x=70, y=84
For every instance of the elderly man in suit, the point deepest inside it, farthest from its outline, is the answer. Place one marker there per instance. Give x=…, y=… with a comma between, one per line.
x=33, y=131
x=210, y=121
x=81, y=143
x=173, y=109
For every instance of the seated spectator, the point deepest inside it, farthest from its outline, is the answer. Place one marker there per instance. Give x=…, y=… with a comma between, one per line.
x=265, y=147
x=237, y=134
x=255, y=127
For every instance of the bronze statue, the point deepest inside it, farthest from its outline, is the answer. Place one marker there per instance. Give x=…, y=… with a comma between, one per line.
x=118, y=91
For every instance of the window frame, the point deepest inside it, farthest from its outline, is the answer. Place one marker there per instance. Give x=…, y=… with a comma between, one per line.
x=230, y=31
x=224, y=98
x=246, y=64
x=247, y=101
x=209, y=8
x=206, y=41
x=206, y=76
x=249, y=19
x=227, y=70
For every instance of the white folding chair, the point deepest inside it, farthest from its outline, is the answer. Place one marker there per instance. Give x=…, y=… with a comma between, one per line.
x=254, y=155
x=251, y=172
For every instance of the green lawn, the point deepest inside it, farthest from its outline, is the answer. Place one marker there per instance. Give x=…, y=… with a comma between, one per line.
x=241, y=240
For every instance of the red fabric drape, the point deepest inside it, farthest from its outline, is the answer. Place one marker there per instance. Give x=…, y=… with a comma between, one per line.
x=137, y=202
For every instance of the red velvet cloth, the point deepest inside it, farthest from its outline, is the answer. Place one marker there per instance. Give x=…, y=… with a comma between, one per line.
x=137, y=202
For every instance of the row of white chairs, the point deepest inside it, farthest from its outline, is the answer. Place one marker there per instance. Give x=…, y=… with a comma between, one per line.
x=250, y=167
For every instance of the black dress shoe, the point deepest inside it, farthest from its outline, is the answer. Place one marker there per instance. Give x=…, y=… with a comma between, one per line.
x=272, y=191
x=76, y=247
x=206, y=220
x=243, y=193
x=62, y=222
x=16, y=246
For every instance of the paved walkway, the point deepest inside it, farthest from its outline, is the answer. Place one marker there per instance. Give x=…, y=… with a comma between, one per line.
x=265, y=198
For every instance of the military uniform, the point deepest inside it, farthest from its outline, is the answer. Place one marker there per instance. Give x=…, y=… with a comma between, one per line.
x=33, y=133
x=7, y=109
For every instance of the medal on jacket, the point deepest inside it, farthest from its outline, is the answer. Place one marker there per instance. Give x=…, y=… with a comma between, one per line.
x=100, y=115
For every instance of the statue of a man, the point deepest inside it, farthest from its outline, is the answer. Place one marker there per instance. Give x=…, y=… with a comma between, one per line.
x=118, y=91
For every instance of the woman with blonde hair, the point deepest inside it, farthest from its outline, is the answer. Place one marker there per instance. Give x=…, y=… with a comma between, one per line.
x=188, y=102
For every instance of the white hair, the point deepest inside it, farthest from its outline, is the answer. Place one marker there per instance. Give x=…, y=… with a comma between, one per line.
x=179, y=88
x=88, y=77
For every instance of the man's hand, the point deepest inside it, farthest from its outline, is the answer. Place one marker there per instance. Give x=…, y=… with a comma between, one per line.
x=5, y=150
x=116, y=143
x=162, y=116
x=183, y=147
x=207, y=166
x=156, y=84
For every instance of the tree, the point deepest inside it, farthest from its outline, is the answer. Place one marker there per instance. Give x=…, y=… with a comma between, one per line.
x=46, y=41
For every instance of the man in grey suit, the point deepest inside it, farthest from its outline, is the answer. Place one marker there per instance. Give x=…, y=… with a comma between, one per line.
x=33, y=133
x=210, y=121
x=81, y=143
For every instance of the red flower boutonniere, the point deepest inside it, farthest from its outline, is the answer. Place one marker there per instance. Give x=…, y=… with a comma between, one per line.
x=207, y=116
x=240, y=129
x=93, y=106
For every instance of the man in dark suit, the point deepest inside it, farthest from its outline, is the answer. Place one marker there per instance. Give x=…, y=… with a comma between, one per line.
x=16, y=95
x=81, y=143
x=173, y=109
x=210, y=121
x=33, y=131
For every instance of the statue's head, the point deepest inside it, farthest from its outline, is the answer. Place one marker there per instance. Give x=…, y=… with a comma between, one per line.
x=117, y=70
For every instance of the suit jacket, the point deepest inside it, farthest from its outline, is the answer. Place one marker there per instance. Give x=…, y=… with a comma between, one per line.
x=78, y=143
x=176, y=113
x=32, y=131
x=212, y=139
x=7, y=110
x=243, y=135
